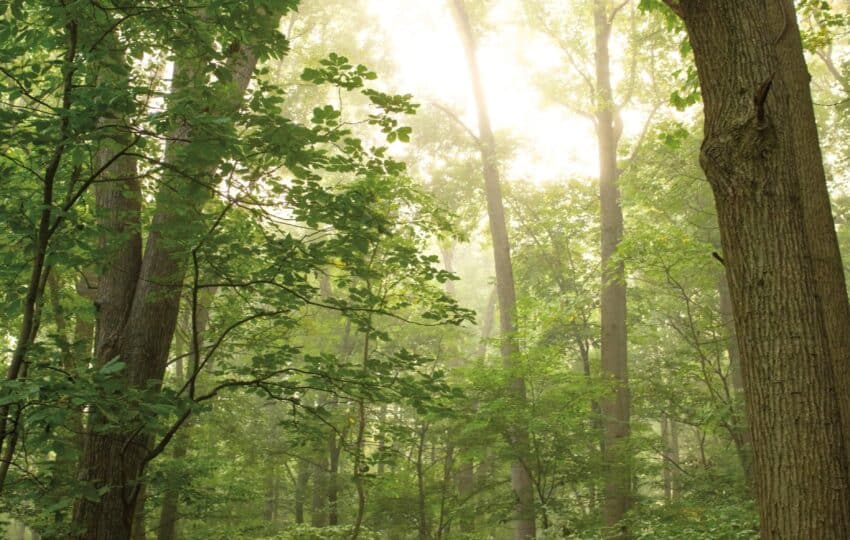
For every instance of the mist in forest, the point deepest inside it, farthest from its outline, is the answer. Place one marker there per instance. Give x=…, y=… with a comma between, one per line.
x=444, y=270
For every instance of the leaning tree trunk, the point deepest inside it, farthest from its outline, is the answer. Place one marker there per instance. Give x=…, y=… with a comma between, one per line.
x=757, y=156
x=518, y=435
x=615, y=408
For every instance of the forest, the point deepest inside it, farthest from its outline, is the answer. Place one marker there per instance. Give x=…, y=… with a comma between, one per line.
x=432, y=270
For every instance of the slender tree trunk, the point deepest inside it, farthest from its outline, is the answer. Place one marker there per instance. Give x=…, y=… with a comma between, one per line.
x=616, y=407
x=319, y=493
x=667, y=467
x=732, y=339
x=670, y=441
x=759, y=157
x=422, y=521
x=518, y=434
x=487, y=322
x=169, y=513
x=335, y=441
x=675, y=473
x=302, y=476
x=464, y=478
x=333, y=479
x=741, y=431
x=40, y=270
x=465, y=487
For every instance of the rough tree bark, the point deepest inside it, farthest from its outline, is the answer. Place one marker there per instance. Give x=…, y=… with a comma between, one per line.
x=524, y=526
x=615, y=408
x=762, y=160
x=138, y=305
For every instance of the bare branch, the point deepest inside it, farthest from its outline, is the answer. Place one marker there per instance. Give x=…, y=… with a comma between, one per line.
x=448, y=112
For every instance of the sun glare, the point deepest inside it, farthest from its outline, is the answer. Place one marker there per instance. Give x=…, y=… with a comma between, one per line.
x=555, y=143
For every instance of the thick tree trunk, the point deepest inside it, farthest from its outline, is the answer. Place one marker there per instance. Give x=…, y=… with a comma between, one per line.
x=145, y=318
x=505, y=287
x=822, y=240
x=139, y=531
x=757, y=155
x=615, y=408
x=118, y=204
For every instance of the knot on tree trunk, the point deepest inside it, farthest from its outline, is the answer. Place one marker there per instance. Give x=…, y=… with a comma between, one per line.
x=736, y=158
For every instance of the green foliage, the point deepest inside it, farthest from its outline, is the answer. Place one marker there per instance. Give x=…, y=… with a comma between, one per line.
x=325, y=533
x=339, y=356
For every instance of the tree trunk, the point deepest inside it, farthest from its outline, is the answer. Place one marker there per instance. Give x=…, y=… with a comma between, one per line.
x=144, y=302
x=670, y=453
x=822, y=240
x=319, y=493
x=465, y=487
x=139, y=532
x=169, y=513
x=118, y=206
x=505, y=287
x=757, y=156
x=667, y=467
x=615, y=408
x=301, y=478
x=740, y=429
x=675, y=458
x=487, y=323
x=333, y=479
x=422, y=502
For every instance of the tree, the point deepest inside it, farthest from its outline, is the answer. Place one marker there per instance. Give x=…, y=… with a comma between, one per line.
x=139, y=292
x=505, y=287
x=762, y=158
x=613, y=344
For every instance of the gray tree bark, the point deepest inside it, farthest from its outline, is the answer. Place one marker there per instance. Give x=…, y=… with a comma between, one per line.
x=615, y=408
x=524, y=523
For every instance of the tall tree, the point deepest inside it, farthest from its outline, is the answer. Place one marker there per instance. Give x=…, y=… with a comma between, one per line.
x=762, y=158
x=616, y=407
x=505, y=287
x=142, y=290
